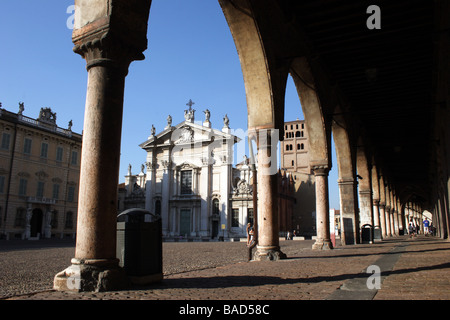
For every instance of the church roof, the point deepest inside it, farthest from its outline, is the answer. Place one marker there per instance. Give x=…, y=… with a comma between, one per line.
x=188, y=132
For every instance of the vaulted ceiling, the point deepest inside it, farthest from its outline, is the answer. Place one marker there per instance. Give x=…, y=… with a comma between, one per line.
x=384, y=77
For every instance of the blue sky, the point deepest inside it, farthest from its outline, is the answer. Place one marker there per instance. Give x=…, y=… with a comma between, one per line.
x=190, y=55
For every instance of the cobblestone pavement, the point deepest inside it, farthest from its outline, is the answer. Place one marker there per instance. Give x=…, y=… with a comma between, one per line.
x=220, y=271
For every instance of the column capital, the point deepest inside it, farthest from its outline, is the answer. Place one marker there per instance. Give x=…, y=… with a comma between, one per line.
x=108, y=52
x=319, y=170
x=111, y=33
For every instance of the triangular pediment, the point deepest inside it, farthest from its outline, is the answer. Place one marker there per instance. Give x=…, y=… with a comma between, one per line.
x=187, y=165
x=186, y=132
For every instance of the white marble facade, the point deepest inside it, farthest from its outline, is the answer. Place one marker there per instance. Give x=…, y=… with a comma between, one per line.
x=191, y=182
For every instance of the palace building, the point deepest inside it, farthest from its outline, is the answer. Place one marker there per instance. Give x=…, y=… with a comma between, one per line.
x=39, y=176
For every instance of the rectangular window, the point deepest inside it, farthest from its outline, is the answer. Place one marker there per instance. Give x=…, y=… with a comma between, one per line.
x=69, y=220
x=44, y=150
x=27, y=146
x=55, y=191
x=235, y=218
x=5, y=141
x=59, y=154
x=186, y=182
x=54, y=220
x=22, y=187
x=40, y=189
x=71, y=194
x=20, y=217
x=74, y=159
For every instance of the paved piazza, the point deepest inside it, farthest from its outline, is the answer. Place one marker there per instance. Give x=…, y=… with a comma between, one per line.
x=411, y=269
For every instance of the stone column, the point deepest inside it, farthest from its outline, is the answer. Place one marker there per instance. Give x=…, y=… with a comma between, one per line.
x=376, y=218
x=366, y=207
x=109, y=41
x=268, y=247
x=376, y=212
x=393, y=213
x=388, y=221
x=323, y=240
x=383, y=220
x=149, y=186
x=349, y=209
x=166, y=195
x=205, y=194
x=95, y=255
x=396, y=218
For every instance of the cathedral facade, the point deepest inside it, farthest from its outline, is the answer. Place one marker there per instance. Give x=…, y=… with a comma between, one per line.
x=190, y=181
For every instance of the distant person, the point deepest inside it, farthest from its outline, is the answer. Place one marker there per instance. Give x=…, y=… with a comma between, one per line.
x=426, y=225
x=411, y=230
x=250, y=234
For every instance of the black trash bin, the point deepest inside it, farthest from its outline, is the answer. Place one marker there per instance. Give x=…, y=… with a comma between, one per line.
x=367, y=233
x=377, y=233
x=139, y=245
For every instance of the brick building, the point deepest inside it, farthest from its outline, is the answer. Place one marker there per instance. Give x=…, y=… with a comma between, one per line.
x=294, y=159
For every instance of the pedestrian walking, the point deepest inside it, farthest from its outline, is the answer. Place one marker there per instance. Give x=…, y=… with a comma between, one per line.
x=426, y=225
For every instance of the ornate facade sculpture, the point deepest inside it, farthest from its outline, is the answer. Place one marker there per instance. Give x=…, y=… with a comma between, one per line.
x=242, y=187
x=189, y=113
x=169, y=121
x=207, y=115
x=226, y=122
x=46, y=115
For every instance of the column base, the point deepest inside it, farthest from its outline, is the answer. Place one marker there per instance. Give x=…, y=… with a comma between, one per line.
x=91, y=275
x=322, y=244
x=268, y=253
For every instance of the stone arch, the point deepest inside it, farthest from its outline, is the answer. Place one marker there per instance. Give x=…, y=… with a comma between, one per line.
x=319, y=135
x=346, y=163
x=265, y=77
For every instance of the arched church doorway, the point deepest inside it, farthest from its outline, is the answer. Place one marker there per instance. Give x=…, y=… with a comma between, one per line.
x=36, y=223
